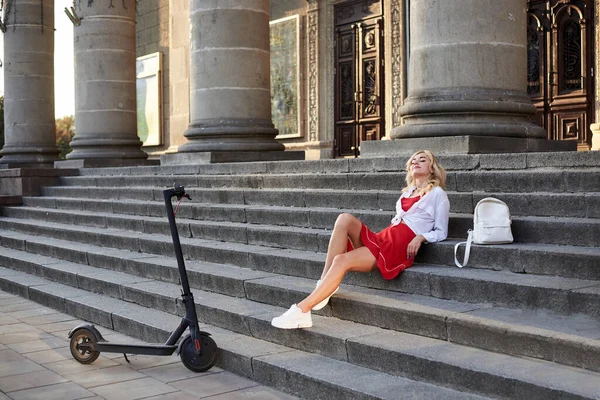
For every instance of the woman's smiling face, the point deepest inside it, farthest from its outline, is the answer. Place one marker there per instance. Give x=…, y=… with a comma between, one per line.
x=420, y=165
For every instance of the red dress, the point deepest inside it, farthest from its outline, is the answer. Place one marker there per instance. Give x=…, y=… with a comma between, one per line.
x=389, y=246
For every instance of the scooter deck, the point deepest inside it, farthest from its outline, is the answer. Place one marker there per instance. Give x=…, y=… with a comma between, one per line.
x=152, y=350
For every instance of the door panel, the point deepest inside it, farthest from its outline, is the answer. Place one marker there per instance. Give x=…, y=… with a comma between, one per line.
x=358, y=77
x=559, y=67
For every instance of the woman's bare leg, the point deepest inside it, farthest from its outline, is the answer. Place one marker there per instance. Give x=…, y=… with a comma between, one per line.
x=361, y=260
x=346, y=226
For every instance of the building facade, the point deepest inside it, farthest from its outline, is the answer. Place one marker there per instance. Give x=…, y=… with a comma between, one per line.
x=350, y=75
x=321, y=76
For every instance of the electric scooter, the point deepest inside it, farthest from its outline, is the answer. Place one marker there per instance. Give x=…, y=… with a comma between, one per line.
x=198, y=351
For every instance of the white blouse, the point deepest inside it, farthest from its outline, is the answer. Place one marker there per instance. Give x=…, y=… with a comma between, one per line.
x=428, y=216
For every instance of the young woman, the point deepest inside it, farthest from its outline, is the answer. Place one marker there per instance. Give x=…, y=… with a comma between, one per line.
x=421, y=217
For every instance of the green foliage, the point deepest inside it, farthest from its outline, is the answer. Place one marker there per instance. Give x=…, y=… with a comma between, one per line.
x=1, y=121
x=65, y=130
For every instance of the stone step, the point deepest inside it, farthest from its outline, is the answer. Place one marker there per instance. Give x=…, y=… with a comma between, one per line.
x=556, y=181
x=286, y=227
x=520, y=204
x=567, y=296
x=468, y=162
x=345, y=344
x=566, y=340
x=271, y=364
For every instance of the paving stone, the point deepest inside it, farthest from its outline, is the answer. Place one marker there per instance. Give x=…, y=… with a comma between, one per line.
x=139, y=362
x=59, y=326
x=212, y=384
x=29, y=380
x=47, y=356
x=17, y=328
x=104, y=376
x=11, y=308
x=11, y=300
x=48, y=319
x=173, y=396
x=34, y=312
x=65, y=367
x=256, y=392
x=133, y=389
x=7, y=320
x=51, y=342
x=175, y=372
x=11, y=338
x=63, y=391
x=13, y=363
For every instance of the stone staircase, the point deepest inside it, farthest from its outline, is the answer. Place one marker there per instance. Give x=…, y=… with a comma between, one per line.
x=523, y=321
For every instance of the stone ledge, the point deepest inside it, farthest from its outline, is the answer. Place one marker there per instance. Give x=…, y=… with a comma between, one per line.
x=28, y=181
x=7, y=200
x=103, y=163
x=214, y=157
x=462, y=145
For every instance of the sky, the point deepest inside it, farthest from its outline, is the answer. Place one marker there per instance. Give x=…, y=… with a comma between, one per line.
x=64, y=87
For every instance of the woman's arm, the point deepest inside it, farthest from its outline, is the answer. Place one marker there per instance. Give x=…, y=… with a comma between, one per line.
x=414, y=246
x=440, y=223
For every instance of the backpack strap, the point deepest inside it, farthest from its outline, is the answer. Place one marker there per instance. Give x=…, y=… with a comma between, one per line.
x=467, y=250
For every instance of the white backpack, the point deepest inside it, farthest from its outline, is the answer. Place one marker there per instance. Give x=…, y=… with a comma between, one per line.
x=491, y=225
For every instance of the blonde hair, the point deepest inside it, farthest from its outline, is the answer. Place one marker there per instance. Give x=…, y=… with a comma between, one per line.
x=437, y=177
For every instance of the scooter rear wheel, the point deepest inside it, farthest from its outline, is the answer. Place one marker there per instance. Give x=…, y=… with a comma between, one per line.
x=81, y=336
x=199, y=362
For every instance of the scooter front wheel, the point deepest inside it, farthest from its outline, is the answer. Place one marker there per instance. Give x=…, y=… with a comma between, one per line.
x=199, y=362
x=83, y=336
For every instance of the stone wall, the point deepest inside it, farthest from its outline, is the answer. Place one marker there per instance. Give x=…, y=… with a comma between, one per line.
x=287, y=8
x=179, y=71
x=595, y=126
x=153, y=36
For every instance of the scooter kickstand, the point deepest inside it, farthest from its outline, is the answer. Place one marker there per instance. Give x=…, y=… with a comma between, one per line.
x=126, y=359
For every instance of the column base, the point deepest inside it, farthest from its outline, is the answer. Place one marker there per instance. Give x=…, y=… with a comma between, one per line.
x=104, y=163
x=462, y=145
x=234, y=135
x=33, y=156
x=216, y=157
x=100, y=146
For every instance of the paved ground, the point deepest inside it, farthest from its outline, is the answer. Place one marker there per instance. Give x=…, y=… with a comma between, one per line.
x=35, y=363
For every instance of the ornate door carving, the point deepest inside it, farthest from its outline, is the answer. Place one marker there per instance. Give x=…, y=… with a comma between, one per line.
x=359, y=112
x=560, y=71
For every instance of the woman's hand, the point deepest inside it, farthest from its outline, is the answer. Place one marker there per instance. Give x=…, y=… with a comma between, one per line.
x=414, y=246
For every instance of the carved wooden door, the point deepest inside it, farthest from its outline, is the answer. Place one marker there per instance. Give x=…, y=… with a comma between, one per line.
x=560, y=70
x=359, y=111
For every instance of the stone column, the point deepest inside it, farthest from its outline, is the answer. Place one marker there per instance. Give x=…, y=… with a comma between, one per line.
x=29, y=125
x=105, y=92
x=230, y=99
x=467, y=79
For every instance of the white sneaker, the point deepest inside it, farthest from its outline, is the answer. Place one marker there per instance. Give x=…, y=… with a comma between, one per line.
x=292, y=319
x=324, y=302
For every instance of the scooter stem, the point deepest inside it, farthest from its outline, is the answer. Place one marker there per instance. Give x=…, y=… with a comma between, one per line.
x=168, y=195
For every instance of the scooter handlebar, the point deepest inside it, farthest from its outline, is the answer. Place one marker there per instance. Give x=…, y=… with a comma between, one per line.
x=177, y=190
